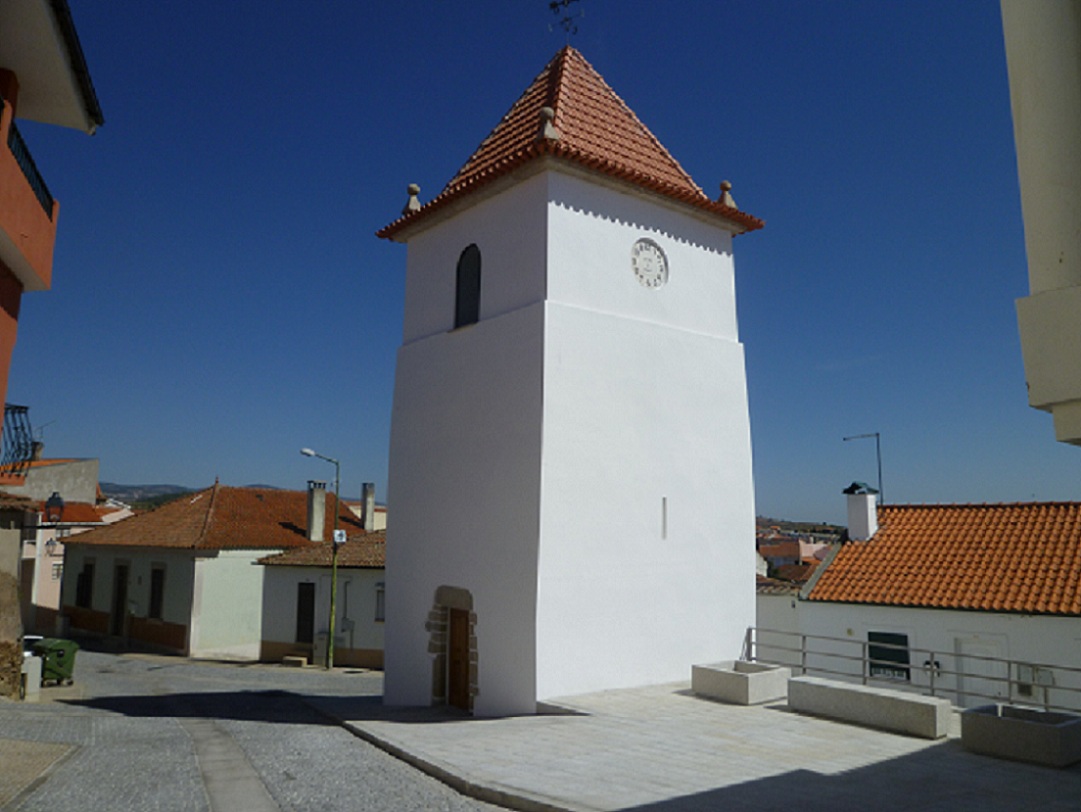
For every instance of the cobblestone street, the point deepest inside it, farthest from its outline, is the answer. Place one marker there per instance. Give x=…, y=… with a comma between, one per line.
x=140, y=732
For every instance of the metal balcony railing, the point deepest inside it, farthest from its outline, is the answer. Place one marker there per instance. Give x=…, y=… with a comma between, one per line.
x=30, y=171
x=967, y=680
x=17, y=442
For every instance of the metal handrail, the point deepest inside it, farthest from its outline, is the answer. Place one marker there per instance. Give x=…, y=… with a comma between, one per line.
x=809, y=654
x=30, y=170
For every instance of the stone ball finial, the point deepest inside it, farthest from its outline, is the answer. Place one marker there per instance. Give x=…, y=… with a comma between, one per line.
x=726, y=198
x=548, y=129
x=413, y=204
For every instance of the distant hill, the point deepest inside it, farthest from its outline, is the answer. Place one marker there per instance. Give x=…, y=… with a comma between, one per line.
x=788, y=526
x=147, y=497
x=143, y=497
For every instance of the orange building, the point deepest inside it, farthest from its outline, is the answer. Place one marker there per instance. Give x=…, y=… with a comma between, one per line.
x=43, y=78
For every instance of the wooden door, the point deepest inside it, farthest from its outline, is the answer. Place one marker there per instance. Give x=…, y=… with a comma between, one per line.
x=120, y=599
x=458, y=659
x=305, y=612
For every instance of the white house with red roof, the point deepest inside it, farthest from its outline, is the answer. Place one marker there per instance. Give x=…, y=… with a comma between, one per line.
x=296, y=602
x=184, y=577
x=570, y=462
x=982, y=599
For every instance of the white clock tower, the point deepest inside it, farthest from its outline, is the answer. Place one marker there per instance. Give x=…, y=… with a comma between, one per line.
x=570, y=468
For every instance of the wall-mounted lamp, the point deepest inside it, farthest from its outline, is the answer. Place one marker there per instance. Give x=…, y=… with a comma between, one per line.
x=54, y=508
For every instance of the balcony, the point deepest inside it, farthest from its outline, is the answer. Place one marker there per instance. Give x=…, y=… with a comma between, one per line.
x=27, y=210
x=16, y=445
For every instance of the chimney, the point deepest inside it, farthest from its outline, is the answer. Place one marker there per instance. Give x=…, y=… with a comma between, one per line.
x=862, y=513
x=367, y=493
x=37, y=448
x=317, y=509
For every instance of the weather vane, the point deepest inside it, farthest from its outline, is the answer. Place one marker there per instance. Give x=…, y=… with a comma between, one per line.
x=568, y=21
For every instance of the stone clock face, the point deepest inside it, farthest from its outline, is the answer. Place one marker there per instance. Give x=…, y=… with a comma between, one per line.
x=649, y=263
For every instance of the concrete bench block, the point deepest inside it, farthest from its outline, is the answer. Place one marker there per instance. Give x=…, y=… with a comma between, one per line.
x=1022, y=734
x=885, y=708
x=31, y=678
x=740, y=682
x=295, y=660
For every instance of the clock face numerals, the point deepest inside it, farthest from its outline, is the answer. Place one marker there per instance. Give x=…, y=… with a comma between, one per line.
x=649, y=263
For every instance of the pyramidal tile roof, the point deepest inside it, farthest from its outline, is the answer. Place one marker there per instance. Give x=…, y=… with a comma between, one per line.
x=1023, y=557
x=592, y=127
x=221, y=518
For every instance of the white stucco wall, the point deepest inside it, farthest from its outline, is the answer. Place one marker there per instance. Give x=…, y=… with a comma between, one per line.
x=356, y=626
x=179, y=578
x=639, y=398
x=226, y=615
x=464, y=482
x=647, y=526
x=950, y=635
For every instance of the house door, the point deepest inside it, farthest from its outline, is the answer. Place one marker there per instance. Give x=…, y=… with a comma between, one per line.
x=458, y=659
x=120, y=599
x=980, y=681
x=305, y=612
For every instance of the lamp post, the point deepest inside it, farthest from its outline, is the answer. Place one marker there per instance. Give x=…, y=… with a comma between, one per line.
x=307, y=452
x=878, y=456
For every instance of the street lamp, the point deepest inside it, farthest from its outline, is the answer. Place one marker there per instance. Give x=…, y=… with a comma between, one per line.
x=307, y=452
x=878, y=455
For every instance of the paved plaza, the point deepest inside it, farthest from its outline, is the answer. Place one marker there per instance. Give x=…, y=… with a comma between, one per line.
x=144, y=732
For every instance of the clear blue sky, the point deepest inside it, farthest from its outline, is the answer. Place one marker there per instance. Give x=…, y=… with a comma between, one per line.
x=220, y=299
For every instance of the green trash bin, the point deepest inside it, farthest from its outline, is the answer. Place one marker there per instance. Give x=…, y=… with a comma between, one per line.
x=57, y=659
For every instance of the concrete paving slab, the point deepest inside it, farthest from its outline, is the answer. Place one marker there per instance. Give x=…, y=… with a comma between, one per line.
x=662, y=748
x=24, y=764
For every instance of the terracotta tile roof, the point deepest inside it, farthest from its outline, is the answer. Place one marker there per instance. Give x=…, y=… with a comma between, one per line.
x=781, y=549
x=9, y=501
x=596, y=130
x=797, y=573
x=221, y=518
x=75, y=513
x=1003, y=558
x=364, y=550
x=772, y=586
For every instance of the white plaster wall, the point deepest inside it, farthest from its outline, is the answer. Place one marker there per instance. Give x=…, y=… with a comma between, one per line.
x=1032, y=639
x=591, y=231
x=464, y=483
x=179, y=580
x=641, y=419
x=647, y=533
x=355, y=622
x=638, y=394
x=508, y=231
x=779, y=613
x=227, y=605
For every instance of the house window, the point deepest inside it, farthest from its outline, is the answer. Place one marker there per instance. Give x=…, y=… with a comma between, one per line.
x=58, y=571
x=305, y=612
x=84, y=586
x=887, y=655
x=157, y=591
x=380, y=602
x=467, y=288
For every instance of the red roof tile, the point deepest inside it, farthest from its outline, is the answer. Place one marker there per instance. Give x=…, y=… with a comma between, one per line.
x=596, y=130
x=220, y=518
x=75, y=513
x=9, y=501
x=364, y=550
x=1006, y=558
x=780, y=549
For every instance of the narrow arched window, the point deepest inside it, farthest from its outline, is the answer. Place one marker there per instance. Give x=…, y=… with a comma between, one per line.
x=467, y=292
